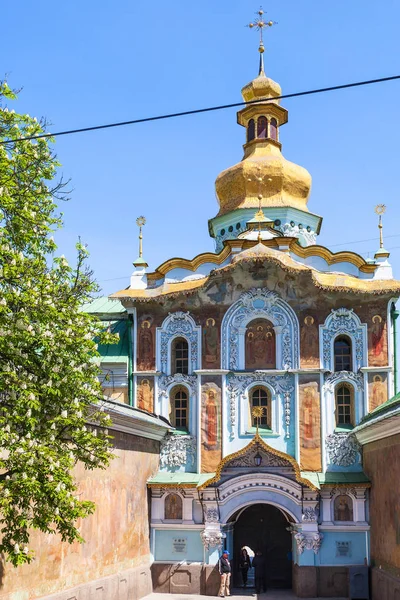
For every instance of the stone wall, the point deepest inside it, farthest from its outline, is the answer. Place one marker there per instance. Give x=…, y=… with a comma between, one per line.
x=114, y=562
x=381, y=460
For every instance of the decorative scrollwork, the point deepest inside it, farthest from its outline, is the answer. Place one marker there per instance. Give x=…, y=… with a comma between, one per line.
x=281, y=384
x=343, y=449
x=356, y=378
x=177, y=450
x=312, y=542
x=265, y=304
x=212, y=538
x=343, y=321
x=176, y=324
x=310, y=514
x=211, y=515
x=167, y=381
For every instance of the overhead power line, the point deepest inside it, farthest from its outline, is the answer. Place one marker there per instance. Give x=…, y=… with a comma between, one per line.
x=202, y=110
x=361, y=241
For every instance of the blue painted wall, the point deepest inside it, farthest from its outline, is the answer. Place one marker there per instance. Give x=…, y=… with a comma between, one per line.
x=164, y=547
x=329, y=554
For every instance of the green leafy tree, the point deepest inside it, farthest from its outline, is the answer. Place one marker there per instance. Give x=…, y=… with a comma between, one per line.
x=51, y=410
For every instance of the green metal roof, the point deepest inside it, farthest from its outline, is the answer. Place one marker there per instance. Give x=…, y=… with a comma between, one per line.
x=335, y=478
x=198, y=479
x=104, y=305
x=180, y=479
x=115, y=353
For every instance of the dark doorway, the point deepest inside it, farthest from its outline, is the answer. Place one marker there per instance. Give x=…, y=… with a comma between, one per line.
x=264, y=527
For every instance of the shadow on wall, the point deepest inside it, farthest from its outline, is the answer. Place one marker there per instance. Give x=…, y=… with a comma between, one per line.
x=2, y=570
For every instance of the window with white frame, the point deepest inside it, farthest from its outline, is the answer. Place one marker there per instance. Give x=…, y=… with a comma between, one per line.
x=342, y=353
x=180, y=356
x=179, y=408
x=344, y=403
x=261, y=397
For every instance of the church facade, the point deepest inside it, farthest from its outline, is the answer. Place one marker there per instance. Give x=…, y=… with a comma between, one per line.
x=264, y=356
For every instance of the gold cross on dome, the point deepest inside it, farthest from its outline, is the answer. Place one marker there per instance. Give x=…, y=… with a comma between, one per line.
x=260, y=24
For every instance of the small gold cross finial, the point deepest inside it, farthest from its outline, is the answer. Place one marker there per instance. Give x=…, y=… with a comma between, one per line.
x=140, y=221
x=257, y=413
x=380, y=209
x=259, y=23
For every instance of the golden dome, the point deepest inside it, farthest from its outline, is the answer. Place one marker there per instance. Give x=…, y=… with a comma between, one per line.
x=261, y=87
x=283, y=183
x=263, y=169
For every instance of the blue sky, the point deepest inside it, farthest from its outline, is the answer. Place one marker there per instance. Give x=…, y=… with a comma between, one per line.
x=93, y=62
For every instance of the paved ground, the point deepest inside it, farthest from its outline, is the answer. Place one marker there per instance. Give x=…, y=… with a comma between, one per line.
x=237, y=595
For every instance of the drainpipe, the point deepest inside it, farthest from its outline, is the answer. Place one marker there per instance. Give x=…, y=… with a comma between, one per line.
x=395, y=314
x=130, y=357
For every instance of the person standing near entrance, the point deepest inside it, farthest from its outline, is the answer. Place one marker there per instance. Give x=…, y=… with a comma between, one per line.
x=244, y=565
x=259, y=572
x=225, y=571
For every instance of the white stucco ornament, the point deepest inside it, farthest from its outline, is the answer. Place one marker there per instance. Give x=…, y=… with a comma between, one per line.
x=343, y=449
x=312, y=542
x=165, y=382
x=344, y=321
x=177, y=450
x=212, y=538
x=333, y=379
x=310, y=514
x=260, y=303
x=178, y=324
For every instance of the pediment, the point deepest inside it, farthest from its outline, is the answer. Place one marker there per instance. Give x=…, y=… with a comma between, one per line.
x=272, y=460
x=267, y=459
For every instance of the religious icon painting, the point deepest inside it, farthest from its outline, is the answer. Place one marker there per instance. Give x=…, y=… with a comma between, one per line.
x=310, y=423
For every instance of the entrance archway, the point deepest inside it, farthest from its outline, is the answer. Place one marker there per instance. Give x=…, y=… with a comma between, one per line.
x=264, y=527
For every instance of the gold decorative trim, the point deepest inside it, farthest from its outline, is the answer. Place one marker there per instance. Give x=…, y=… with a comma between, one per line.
x=257, y=440
x=190, y=265
x=349, y=484
x=338, y=282
x=172, y=485
x=332, y=258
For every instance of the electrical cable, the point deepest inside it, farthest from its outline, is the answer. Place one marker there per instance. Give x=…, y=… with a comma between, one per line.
x=361, y=241
x=201, y=110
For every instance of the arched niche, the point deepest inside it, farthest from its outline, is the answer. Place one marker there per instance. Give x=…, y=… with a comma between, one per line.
x=173, y=507
x=343, y=508
x=260, y=303
x=260, y=345
x=343, y=322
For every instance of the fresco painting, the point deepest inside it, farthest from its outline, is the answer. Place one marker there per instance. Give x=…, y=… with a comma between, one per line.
x=310, y=423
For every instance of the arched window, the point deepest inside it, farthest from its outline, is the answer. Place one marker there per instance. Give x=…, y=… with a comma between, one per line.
x=179, y=408
x=173, y=507
x=251, y=130
x=260, y=345
x=180, y=356
x=344, y=406
x=273, y=129
x=262, y=127
x=261, y=397
x=342, y=352
x=343, y=508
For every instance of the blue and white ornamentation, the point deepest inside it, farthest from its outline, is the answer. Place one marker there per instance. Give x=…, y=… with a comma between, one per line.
x=260, y=303
x=343, y=321
x=178, y=324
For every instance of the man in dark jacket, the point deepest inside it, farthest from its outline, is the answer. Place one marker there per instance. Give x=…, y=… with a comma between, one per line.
x=259, y=572
x=225, y=570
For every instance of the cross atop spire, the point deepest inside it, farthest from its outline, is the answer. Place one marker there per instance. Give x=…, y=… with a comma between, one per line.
x=380, y=209
x=140, y=262
x=260, y=24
